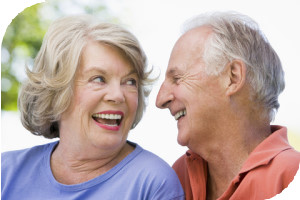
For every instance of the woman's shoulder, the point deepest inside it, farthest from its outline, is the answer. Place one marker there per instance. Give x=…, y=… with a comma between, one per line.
x=19, y=156
x=150, y=163
x=151, y=170
x=148, y=157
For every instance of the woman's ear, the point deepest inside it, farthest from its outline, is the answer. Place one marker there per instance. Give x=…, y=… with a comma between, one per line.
x=237, y=76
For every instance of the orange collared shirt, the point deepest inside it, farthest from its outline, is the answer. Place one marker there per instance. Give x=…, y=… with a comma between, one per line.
x=268, y=170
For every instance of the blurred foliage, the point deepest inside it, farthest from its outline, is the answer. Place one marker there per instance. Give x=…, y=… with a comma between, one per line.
x=22, y=39
x=24, y=36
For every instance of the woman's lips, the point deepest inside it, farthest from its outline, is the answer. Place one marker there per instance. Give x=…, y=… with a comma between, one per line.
x=109, y=120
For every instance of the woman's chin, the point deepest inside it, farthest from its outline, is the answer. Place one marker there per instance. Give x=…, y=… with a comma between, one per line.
x=109, y=142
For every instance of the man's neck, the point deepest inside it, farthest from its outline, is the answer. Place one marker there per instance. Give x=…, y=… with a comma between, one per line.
x=221, y=171
x=226, y=154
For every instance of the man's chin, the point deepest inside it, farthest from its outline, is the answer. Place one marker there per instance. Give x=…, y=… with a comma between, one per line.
x=183, y=141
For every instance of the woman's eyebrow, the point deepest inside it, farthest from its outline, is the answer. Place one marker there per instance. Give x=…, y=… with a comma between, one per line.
x=131, y=72
x=94, y=69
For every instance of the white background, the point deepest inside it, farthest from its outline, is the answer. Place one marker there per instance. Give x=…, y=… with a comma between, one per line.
x=156, y=23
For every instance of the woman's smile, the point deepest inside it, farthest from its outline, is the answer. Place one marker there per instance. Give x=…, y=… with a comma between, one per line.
x=110, y=120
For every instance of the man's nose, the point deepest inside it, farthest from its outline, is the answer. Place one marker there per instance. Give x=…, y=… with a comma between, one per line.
x=164, y=96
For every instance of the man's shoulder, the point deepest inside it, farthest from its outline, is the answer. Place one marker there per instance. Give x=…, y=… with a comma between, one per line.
x=287, y=160
x=281, y=169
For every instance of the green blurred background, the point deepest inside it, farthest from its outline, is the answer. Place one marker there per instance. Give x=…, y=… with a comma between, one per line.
x=23, y=39
x=24, y=36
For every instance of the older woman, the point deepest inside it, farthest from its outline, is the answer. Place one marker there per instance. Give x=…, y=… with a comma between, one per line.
x=87, y=87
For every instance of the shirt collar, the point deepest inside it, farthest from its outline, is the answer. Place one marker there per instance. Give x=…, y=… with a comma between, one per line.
x=267, y=149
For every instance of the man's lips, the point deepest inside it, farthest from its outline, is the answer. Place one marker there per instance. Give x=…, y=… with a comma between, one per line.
x=180, y=114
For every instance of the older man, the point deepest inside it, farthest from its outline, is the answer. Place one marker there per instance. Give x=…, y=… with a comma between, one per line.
x=222, y=86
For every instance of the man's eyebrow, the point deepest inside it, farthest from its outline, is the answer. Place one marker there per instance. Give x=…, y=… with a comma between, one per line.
x=172, y=71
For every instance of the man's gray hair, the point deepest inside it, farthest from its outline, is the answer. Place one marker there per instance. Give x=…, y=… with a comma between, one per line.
x=238, y=37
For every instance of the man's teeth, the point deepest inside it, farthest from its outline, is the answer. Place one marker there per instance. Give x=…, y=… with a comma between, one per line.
x=180, y=114
x=108, y=116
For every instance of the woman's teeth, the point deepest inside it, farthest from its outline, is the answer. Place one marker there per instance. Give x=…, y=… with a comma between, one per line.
x=108, y=119
x=108, y=116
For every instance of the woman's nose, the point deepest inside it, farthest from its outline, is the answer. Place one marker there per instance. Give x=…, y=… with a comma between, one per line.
x=115, y=94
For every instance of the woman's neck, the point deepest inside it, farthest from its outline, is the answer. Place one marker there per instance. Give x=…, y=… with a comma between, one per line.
x=69, y=167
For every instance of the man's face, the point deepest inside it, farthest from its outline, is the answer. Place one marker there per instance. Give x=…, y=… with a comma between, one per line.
x=193, y=97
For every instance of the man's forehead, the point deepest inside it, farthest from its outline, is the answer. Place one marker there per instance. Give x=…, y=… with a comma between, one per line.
x=192, y=40
x=203, y=31
x=194, y=37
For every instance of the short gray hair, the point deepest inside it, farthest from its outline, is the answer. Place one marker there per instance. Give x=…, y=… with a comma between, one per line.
x=237, y=36
x=49, y=88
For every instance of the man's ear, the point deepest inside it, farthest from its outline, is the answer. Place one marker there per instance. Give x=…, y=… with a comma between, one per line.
x=237, y=76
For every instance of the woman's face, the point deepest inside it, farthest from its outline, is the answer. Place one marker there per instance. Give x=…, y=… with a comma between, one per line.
x=105, y=99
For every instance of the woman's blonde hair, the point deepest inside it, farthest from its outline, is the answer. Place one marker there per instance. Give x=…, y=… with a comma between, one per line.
x=48, y=91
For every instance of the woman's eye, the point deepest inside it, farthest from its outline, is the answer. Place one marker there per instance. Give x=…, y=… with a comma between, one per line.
x=131, y=82
x=99, y=79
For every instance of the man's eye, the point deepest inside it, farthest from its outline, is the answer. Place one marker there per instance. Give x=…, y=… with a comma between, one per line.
x=99, y=79
x=176, y=79
x=131, y=82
